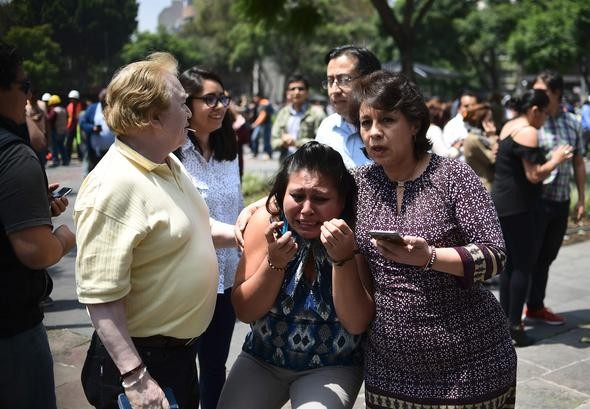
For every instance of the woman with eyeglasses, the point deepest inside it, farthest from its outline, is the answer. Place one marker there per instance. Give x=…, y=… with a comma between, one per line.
x=210, y=156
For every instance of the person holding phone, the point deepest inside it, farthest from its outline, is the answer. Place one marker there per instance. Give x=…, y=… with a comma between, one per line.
x=439, y=337
x=28, y=246
x=305, y=291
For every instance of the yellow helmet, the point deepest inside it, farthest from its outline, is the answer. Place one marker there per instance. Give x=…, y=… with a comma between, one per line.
x=54, y=100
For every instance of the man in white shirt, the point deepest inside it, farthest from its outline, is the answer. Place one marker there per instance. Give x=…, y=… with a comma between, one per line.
x=344, y=65
x=455, y=130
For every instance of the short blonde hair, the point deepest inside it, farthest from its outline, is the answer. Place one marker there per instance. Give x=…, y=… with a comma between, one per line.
x=137, y=90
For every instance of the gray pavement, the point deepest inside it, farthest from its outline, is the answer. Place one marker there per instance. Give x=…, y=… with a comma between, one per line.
x=552, y=374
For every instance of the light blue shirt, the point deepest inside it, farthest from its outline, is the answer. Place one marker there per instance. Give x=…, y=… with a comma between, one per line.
x=343, y=137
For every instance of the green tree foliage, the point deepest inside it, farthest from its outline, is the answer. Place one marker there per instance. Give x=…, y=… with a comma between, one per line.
x=236, y=34
x=41, y=54
x=91, y=33
x=482, y=37
x=146, y=43
x=551, y=34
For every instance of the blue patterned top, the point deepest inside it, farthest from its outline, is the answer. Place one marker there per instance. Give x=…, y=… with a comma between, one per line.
x=302, y=331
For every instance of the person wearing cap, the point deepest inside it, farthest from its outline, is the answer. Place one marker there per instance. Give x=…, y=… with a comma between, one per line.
x=57, y=119
x=73, y=110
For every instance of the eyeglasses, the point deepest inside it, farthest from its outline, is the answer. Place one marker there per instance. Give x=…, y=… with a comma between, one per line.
x=297, y=89
x=25, y=85
x=342, y=80
x=211, y=100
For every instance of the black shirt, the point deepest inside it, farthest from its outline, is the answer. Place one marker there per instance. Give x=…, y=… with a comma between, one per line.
x=24, y=203
x=512, y=192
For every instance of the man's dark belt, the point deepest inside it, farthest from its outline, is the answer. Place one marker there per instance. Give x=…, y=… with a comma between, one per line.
x=162, y=341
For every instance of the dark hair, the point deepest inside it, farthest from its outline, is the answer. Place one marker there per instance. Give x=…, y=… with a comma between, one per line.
x=531, y=98
x=10, y=62
x=552, y=79
x=367, y=62
x=388, y=91
x=223, y=141
x=320, y=158
x=297, y=78
x=477, y=113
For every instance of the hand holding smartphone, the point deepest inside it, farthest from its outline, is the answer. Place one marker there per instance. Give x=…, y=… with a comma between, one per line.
x=64, y=191
x=391, y=236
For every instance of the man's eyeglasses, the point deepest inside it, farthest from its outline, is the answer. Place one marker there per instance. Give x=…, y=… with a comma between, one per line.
x=25, y=85
x=342, y=80
x=298, y=89
x=211, y=100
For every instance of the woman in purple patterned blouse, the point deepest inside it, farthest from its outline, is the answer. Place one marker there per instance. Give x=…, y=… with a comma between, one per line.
x=439, y=337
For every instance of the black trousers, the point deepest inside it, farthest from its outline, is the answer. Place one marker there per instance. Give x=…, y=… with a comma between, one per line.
x=170, y=367
x=551, y=226
x=522, y=250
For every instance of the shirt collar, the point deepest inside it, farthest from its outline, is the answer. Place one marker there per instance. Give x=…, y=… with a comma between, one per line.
x=293, y=111
x=142, y=161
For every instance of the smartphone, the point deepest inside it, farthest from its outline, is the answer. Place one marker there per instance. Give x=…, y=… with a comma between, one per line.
x=123, y=401
x=64, y=191
x=391, y=236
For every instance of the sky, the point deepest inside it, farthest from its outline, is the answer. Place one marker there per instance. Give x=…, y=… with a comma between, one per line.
x=147, y=17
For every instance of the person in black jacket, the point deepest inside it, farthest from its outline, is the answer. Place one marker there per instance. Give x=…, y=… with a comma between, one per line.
x=28, y=245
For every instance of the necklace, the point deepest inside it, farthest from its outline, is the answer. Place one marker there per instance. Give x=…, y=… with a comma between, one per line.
x=402, y=183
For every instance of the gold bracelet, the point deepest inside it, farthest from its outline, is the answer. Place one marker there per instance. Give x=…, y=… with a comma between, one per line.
x=273, y=267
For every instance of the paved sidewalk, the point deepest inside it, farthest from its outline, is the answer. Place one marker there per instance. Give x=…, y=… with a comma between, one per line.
x=552, y=374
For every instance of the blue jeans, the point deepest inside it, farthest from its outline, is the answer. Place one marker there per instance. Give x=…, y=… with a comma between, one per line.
x=58, y=148
x=263, y=131
x=26, y=378
x=212, y=350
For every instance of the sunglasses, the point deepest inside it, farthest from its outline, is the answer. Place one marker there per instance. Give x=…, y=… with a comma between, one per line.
x=211, y=100
x=24, y=85
x=297, y=89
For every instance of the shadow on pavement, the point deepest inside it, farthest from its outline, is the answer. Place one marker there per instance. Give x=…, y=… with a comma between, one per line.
x=64, y=305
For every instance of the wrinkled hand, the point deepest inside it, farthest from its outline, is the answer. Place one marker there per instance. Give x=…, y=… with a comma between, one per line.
x=57, y=206
x=146, y=394
x=338, y=239
x=280, y=249
x=416, y=252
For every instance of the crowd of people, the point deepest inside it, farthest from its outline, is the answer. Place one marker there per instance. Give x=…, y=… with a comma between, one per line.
x=331, y=299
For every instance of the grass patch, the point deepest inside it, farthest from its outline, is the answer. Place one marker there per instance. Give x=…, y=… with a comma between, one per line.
x=254, y=187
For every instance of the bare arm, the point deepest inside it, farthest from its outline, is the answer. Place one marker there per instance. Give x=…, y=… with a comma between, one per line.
x=256, y=284
x=351, y=283
x=580, y=177
x=110, y=323
x=536, y=173
x=244, y=218
x=222, y=233
x=38, y=247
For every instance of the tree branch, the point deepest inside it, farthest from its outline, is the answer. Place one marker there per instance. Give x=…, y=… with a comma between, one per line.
x=390, y=23
x=422, y=12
